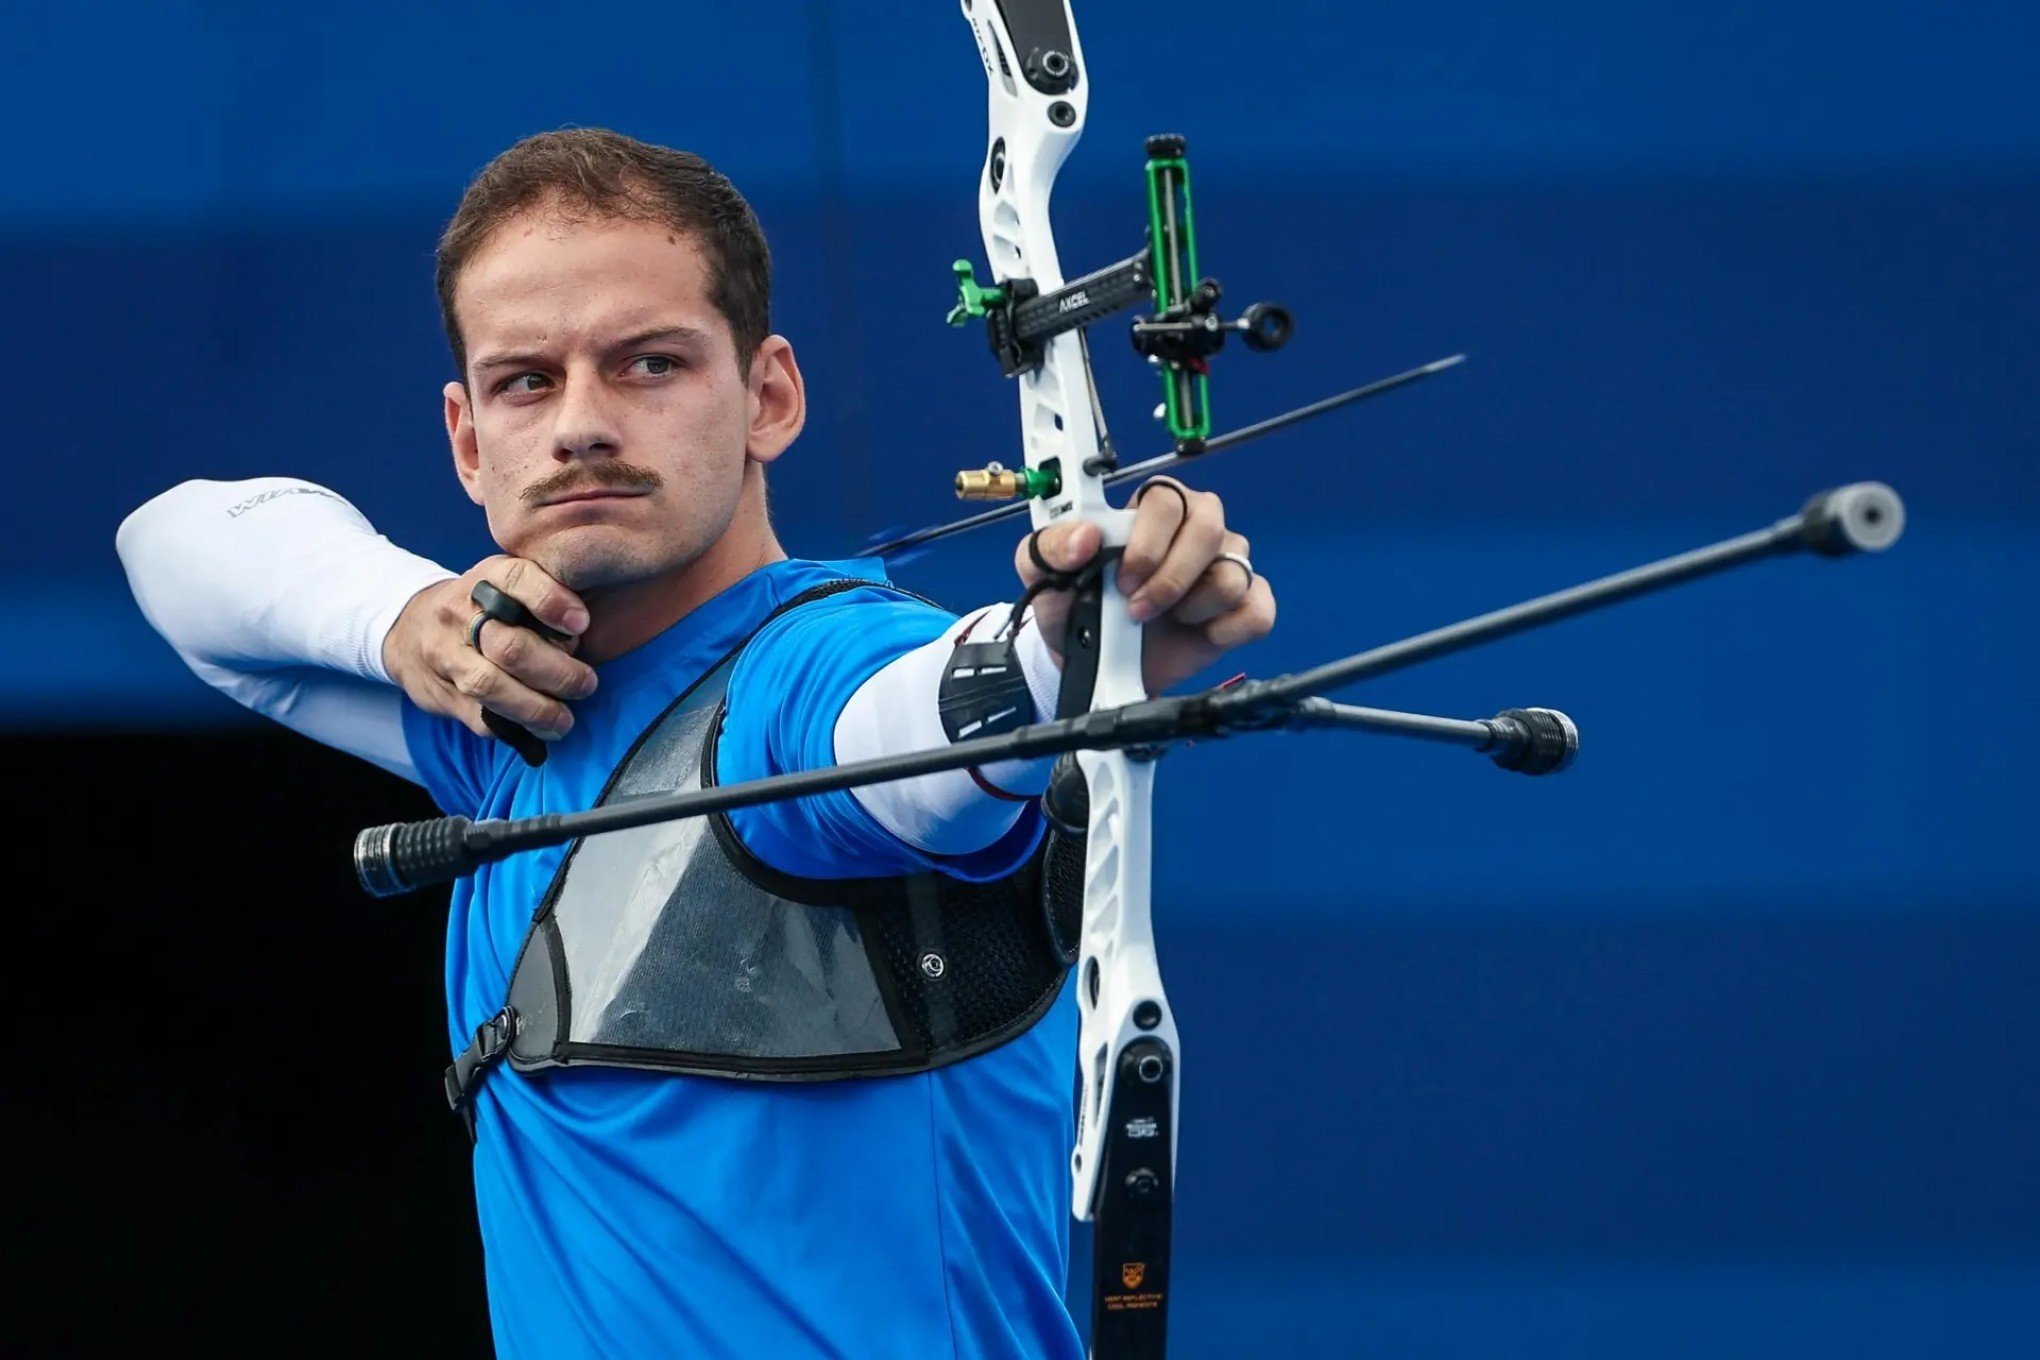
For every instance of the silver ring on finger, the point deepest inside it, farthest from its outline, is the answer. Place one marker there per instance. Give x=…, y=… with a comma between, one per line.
x=1241, y=561
x=482, y=616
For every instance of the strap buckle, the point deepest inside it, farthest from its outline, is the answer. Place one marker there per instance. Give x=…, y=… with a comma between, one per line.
x=492, y=1040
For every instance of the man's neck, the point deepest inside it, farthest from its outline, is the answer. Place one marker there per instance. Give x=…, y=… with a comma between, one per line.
x=625, y=617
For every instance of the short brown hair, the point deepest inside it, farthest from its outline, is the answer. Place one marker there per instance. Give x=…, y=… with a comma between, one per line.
x=607, y=174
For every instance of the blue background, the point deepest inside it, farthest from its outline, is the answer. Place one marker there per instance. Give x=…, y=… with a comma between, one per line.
x=1724, y=1042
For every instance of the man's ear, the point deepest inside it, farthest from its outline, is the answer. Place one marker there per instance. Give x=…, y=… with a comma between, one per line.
x=778, y=400
x=460, y=433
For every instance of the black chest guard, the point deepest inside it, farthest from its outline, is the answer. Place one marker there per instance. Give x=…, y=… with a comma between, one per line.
x=672, y=948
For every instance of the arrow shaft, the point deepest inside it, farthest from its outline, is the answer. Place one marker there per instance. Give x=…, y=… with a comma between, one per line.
x=1161, y=462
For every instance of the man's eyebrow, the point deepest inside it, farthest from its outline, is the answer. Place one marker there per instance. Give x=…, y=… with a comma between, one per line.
x=692, y=335
x=520, y=360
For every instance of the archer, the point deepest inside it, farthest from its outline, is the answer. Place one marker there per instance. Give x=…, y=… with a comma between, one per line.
x=813, y=1093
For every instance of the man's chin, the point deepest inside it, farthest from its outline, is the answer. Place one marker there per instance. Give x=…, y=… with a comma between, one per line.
x=594, y=558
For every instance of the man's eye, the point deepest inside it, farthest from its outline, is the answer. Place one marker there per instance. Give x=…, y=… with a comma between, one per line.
x=656, y=365
x=523, y=382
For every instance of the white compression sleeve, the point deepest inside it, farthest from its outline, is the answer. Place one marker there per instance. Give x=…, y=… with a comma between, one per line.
x=278, y=593
x=896, y=711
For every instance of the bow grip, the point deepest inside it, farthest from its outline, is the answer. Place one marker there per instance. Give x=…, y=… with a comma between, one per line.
x=1082, y=635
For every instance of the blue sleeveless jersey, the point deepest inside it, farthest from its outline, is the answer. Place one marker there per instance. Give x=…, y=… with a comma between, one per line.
x=630, y=1214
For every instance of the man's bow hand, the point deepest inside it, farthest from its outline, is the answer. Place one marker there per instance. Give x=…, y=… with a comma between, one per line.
x=1185, y=575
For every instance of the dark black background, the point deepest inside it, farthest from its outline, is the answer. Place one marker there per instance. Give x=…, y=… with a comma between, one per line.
x=227, y=1059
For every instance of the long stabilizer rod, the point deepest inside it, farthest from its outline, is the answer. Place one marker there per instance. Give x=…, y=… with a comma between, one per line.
x=1860, y=517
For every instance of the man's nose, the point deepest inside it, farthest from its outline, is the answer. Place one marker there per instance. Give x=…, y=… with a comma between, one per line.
x=584, y=423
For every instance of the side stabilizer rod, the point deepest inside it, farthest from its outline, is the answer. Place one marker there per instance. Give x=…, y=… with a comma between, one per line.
x=400, y=857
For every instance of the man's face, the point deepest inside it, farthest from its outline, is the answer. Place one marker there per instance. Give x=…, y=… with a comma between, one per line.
x=604, y=426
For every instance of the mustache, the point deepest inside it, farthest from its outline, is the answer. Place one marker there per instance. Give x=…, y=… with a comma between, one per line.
x=605, y=476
